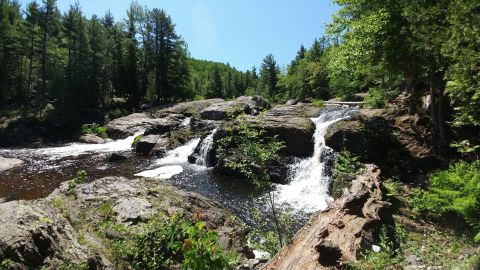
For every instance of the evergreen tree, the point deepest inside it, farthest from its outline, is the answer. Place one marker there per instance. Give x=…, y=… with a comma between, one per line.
x=269, y=78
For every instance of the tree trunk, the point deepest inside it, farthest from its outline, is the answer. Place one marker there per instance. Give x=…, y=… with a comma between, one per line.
x=30, y=67
x=43, y=90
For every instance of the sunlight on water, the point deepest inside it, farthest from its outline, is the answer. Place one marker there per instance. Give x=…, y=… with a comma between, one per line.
x=308, y=188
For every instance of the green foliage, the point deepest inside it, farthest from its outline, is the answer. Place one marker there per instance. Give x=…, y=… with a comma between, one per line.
x=318, y=103
x=106, y=211
x=346, y=168
x=263, y=238
x=375, y=98
x=80, y=178
x=163, y=244
x=136, y=140
x=389, y=256
x=58, y=203
x=46, y=220
x=94, y=129
x=465, y=147
x=253, y=149
x=455, y=189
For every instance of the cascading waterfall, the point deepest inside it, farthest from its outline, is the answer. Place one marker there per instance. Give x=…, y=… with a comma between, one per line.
x=172, y=163
x=205, y=150
x=308, y=188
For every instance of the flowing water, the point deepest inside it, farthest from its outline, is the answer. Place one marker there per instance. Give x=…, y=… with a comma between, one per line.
x=47, y=167
x=310, y=179
x=205, y=150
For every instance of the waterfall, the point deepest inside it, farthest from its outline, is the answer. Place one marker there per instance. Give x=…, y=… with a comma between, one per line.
x=308, y=188
x=172, y=163
x=205, y=150
x=72, y=150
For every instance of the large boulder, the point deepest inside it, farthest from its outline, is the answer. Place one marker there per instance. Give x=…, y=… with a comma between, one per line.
x=152, y=145
x=191, y=107
x=296, y=132
x=128, y=125
x=9, y=163
x=32, y=236
x=91, y=139
x=249, y=105
x=304, y=110
x=399, y=145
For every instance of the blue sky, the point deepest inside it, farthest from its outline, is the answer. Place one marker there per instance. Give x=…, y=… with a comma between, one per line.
x=240, y=32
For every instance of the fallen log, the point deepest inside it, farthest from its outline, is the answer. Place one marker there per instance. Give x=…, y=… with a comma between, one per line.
x=334, y=235
x=349, y=103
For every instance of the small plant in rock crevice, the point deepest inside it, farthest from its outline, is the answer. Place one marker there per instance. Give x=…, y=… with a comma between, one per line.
x=80, y=178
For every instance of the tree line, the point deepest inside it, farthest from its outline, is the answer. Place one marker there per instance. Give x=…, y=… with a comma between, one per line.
x=390, y=47
x=75, y=65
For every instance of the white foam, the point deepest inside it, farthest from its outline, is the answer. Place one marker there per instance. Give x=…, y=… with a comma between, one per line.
x=172, y=164
x=308, y=188
x=165, y=172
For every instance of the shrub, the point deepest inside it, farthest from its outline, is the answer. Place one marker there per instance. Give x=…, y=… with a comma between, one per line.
x=136, y=140
x=80, y=178
x=455, y=189
x=318, y=103
x=163, y=244
x=375, y=98
x=94, y=129
x=346, y=168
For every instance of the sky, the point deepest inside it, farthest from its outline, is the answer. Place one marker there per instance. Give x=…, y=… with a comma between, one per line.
x=239, y=32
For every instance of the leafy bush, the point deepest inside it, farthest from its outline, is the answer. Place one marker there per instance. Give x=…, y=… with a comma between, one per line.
x=164, y=244
x=455, y=189
x=346, y=168
x=136, y=140
x=94, y=129
x=254, y=149
x=318, y=103
x=375, y=98
x=80, y=178
x=261, y=237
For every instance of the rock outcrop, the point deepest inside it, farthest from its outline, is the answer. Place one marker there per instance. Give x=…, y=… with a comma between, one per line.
x=189, y=108
x=92, y=139
x=249, y=105
x=9, y=163
x=46, y=232
x=128, y=125
x=336, y=234
x=156, y=145
x=399, y=144
x=296, y=132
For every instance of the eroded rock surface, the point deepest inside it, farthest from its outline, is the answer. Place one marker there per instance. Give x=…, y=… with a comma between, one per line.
x=128, y=125
x=399, y=144
x=335, y=235
x=249, y=105
x=45, y=232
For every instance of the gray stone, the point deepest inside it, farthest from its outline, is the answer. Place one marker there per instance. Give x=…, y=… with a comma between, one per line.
x=132, y=209
x=152, y=145
x=9, y=163
x=92, y=139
